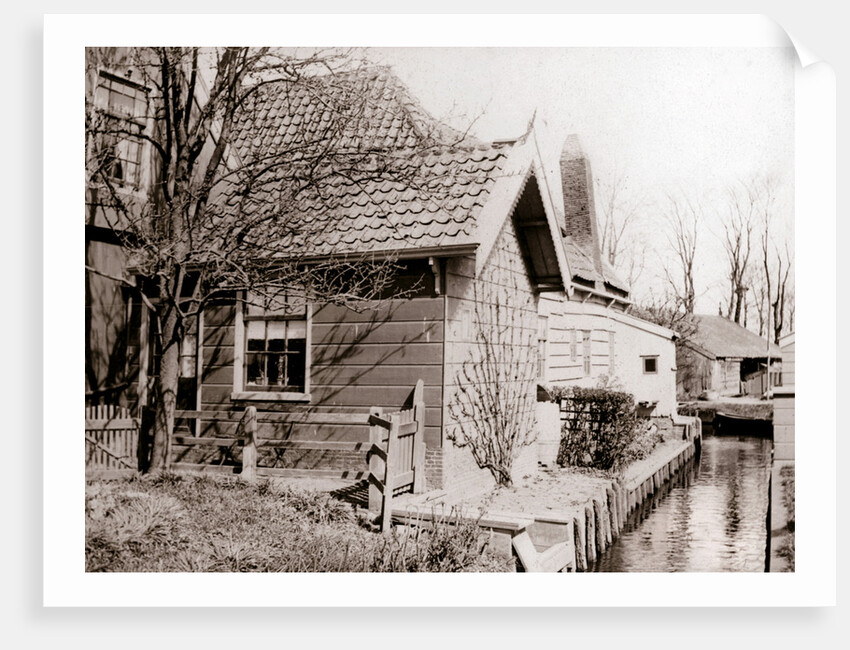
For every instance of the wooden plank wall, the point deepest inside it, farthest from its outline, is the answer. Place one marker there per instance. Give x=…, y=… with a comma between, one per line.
x=359, y=359
x=566, y=316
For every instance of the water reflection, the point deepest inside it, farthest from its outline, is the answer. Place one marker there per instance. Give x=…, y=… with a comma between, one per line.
x=711, y=517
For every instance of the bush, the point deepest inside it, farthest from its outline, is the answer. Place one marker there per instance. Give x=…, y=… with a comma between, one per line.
x=600, y=428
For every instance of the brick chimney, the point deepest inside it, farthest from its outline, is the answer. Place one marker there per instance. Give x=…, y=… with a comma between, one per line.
x=579, y=210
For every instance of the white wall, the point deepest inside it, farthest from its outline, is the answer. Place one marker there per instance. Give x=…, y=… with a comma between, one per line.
x=633, y=339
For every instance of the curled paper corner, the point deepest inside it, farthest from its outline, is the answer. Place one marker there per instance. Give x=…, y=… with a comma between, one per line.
x=804, y=55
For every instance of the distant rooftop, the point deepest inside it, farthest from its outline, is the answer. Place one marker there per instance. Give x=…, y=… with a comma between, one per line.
x=724, y=338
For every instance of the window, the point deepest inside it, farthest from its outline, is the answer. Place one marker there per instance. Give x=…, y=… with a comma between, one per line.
x=542, y=339
x=573, y=351
x=276, y=346
x=650, y=365
x=585, y=340
x=122, y=106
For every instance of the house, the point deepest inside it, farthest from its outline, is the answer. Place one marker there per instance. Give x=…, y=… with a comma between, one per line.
x=489, y=237
x=726, y=358
x=119, y=101
x=483, y=243
x=590, y=336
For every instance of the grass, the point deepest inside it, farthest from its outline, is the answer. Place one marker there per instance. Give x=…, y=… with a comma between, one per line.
x=197, y=523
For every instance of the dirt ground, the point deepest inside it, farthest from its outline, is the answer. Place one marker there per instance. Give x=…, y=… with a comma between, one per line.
x=554, y=492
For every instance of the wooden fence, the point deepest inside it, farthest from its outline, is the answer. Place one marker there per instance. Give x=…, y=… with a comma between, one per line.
x=395, y=450
x=112, y=440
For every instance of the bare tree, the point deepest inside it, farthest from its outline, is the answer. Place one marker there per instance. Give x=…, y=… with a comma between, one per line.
x=231, y=204
x=618, y=214
x=776, y=262
x=784, y=260
x=492, y=403
x=737, y=234
x=683, y=215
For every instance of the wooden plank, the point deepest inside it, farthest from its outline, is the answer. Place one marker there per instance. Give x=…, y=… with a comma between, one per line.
x=312, y=473
x=526, y=552
x=400, y=480
x=387, y=496
x=378, y=451
x=112, y=425
x=374, y=480
x=408, y=428
x=376, y=421
x=320, y=445
x=389, y=397
x=201, y=467
x=557, y=558
x=492, y=520
x=249, y=453
x=394, y=333
x=295, y=417
x=394, y=310
x=375, y=354
x=106, y=453
x=343, y=374
x=207, y=442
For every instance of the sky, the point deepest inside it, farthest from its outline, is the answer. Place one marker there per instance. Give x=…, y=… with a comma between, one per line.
x=697, y=120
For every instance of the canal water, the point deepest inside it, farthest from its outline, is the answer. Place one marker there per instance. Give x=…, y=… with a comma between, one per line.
x=710, y=517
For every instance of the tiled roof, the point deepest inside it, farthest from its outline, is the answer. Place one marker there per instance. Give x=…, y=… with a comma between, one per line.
x=724, y=338
x=387, y=178
x=612, y=277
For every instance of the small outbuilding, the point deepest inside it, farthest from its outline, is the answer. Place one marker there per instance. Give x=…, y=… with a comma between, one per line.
x=725, y=358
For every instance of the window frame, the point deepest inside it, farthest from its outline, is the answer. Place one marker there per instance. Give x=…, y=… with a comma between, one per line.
x=241, y=392
x=542, y=346
x=649, y=357
x=587, y=352
x=103, y=92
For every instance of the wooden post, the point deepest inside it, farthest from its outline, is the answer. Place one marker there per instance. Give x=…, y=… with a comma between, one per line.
x=590, y=521
x=249, y=451
x=419, y=438
x=376, y=465
x=389, y=478
x=581, y=542
x=601, y=536
x=613, y=509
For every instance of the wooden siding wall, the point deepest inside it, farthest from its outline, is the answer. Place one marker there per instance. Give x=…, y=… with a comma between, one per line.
x=359, y=359
x=566, y=316
x=107, y=335
x=788, y=364
x=632, y=342
x=504, y=274
x=783, y=426
x=727, y=380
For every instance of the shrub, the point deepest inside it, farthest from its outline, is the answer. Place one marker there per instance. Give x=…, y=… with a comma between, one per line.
x=600, y=427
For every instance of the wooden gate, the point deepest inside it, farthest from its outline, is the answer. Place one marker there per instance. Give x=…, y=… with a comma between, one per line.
x=397, y=455
x=112, y=441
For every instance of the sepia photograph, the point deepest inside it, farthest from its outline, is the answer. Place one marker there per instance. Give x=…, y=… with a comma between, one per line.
x=442, y=309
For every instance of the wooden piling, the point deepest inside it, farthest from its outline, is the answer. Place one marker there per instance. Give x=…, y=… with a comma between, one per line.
x=590, y=523
x=601, y=534
x=580, y=532
x=612, y=513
